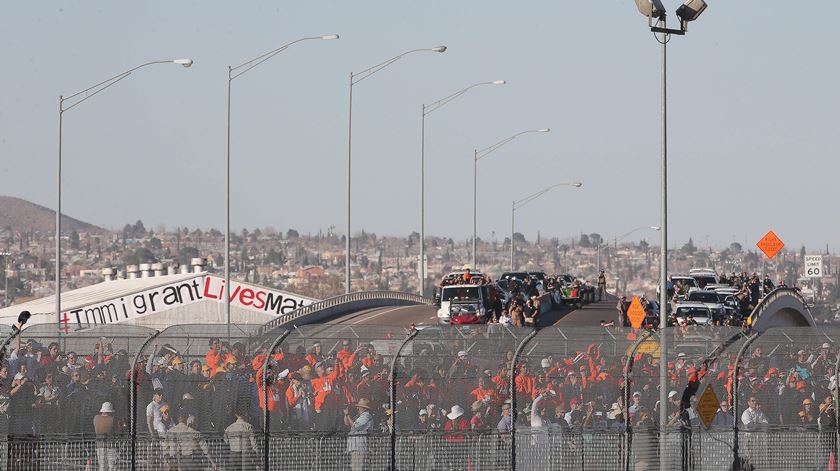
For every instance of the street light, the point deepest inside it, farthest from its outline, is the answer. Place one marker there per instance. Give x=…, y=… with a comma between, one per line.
x=689, y=11
x=427, y=110
x=356, y=77
x=518, y=204
x=6, y=256
x=478, y=155
x=234, y=72
x=73, y=101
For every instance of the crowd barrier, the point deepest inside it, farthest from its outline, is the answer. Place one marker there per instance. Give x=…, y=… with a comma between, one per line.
x=485, y=397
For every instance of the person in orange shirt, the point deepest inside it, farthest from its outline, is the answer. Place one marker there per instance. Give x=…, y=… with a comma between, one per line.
x=524, y=381
x=347, y=356
x=213, y=358
x=482, y=392
x=315, y=354
x=326, y=391
x=298, y=402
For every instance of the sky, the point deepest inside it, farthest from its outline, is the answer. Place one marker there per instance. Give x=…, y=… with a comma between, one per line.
x=752, y=99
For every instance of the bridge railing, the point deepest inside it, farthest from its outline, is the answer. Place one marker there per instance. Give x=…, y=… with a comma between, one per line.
x=478, y=397
x=768, y=300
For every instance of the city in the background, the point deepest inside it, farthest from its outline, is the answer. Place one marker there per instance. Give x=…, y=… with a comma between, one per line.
x=313, y=264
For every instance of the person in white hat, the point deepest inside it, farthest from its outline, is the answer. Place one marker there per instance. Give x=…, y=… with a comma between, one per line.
x=455, y=442
x=360, y=428
x=106, y=449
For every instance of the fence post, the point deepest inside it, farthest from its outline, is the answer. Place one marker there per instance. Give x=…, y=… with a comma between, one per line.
x=736, y=459
x=266, y=412
x=393, y=404
x=513, y=397
x=836, y=394
x=628, y=367
x=132, y=421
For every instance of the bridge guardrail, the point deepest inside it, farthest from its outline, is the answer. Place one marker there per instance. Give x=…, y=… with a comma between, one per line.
x=773, y=296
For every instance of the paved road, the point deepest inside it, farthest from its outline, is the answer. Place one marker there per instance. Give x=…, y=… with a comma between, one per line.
x=400, y=316
x=591, y=314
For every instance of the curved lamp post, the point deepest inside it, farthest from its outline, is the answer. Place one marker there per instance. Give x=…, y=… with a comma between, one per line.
x=234, y=72
x=518, y=204
x=427, y=110
x=66, y=103
x=356, y=77
x=478, y=155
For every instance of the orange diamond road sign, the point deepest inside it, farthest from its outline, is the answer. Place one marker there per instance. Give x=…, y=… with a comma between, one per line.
x=708, y=405
x=636, y=313
x=770, y=244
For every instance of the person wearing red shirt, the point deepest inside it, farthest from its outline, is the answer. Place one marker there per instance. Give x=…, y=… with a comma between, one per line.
x=456, y=452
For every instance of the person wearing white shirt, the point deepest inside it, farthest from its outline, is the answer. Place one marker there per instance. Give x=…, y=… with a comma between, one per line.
x=753, y=416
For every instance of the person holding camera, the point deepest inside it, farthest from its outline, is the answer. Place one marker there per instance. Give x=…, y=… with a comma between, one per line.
x=360, y=427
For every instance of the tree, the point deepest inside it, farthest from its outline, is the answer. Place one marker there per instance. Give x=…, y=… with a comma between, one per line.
x=74, y=240
x=139, y=228
x=187, y=254
x=140, y=255
x=595, y=239
x=292, y=234
x=689, y=247
x=735, y=248
x=154, y=244
x=584, y=241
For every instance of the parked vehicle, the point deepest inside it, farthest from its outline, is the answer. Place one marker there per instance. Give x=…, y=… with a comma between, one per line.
x=710, y=299
x=704, y=276
x=466, y=304
x=700, y=312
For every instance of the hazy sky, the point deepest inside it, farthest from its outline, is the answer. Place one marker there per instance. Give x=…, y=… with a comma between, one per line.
x=753, y=116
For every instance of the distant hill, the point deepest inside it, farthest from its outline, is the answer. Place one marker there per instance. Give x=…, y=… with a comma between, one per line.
x=24, y=215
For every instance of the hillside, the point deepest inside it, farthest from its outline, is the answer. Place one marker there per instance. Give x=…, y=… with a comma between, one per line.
x=24, y=215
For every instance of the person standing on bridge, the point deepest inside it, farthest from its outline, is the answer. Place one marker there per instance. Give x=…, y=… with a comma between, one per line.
x=621, y=307
x=602, y=286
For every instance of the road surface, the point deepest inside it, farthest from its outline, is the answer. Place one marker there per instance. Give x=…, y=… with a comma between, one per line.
x=402, y=316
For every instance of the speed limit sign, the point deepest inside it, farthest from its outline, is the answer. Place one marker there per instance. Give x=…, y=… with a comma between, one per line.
x=813, y=266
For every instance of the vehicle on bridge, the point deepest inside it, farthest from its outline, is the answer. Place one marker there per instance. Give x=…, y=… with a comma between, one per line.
x=697, y=312
x=710, y=299
x=679, y=285
x=466, y=304
x=704, y=276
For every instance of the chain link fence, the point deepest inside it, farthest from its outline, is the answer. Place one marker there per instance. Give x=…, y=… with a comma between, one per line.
x=344, y=396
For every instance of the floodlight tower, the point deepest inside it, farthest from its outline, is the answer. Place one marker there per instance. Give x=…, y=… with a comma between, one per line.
x=689, y=11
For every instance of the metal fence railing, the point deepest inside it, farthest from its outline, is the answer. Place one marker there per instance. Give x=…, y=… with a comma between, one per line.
x=488, y=397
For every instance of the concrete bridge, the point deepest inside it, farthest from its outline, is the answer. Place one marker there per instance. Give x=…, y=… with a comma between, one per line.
x=782, y=307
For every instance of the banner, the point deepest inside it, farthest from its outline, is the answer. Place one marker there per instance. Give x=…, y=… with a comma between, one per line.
x=182, y=293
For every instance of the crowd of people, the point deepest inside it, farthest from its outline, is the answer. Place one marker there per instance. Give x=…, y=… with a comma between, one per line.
x=453, y=384
x=516, y=302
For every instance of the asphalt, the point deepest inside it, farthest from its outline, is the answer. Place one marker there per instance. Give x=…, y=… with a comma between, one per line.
x=399, y=316
x=403, y=316
x=591, y=314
